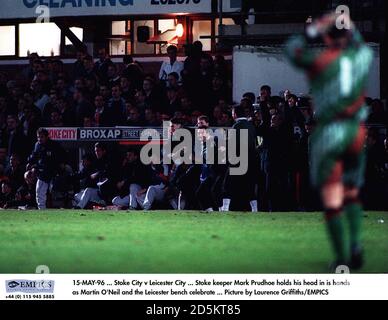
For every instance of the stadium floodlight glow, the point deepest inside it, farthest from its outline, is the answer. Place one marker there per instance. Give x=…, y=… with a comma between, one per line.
x=179, y=30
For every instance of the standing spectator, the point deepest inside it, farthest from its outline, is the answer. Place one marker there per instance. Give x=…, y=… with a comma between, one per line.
x=133, y=72
x=13, y=138
x=172, y=65
x=102, y=65
x=242, y=186
x=78, y=66
x=47, y=157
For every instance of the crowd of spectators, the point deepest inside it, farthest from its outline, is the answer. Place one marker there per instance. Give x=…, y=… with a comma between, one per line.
x=197, y=90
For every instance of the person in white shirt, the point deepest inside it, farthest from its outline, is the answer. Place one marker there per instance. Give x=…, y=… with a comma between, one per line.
x=171, y=66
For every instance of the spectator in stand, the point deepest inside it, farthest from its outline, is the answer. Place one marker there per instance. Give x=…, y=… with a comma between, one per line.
x=133, y=116
x=174, y=103
x=84, y=181
x=251, y=96
x=150, y=118
x=158, y=186
x=89, y=70
x=152, y=99
x=102, y=116
x=135, y=177
x=173, y=65
x=296, y=122
x=105, y=92
x=46, y=159
x=221, y=67
x=66, y=112
x=204, y=85
x=127, y=88
x=39, y=96
x=242, y=187
x=7, y=195
x=113, y=76
x=275, y=161
x=103, y=179
x=116, y=105
x=62, y=88
x=56, y=119
x=28, y=72
x=83, y=108
x=26, y=194
x=187, y=105
x=226, y=120
x=91, y=87
x=79, y=83
x=13, y=137
x=216, y=115
x=220, y=89
x=102, y=65
x=141, y=99
x=133, y=72
x=78, y=66
x=88, y=122
x=57, y=68
x=15, y=171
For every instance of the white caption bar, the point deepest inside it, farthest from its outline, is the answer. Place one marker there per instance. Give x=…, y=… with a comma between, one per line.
x=194, y=287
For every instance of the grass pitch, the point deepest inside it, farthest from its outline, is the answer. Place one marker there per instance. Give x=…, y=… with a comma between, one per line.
x=70, y=241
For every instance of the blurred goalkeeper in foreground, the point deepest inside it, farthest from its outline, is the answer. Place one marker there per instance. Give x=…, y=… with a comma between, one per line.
x=338, y=77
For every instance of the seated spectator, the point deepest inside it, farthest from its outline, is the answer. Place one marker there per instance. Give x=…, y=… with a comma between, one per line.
x=102, y=118
x=83, y=179
x=135, y=177
x=91, y=87
x=83, y=108
x=89, y=67
x=133, y=116
x=173, y=101
x=116, y=106
x=128, y=89
x=66, y=112
x=105, y=92
x=150, y=118
x=157, y=190
x=26, y=194
x=7, y=195
x=56, y=119
x=113, y=76
x=15, y=172
x=102, y=179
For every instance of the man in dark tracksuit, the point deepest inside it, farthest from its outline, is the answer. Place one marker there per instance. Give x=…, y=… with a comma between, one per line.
x=242, y=187
x=47, y=158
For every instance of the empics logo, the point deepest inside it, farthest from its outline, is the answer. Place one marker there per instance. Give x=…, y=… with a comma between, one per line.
x=30, y=286
x=13, y=284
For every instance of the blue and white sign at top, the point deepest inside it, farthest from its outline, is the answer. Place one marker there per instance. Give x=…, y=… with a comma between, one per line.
x=17, y=9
